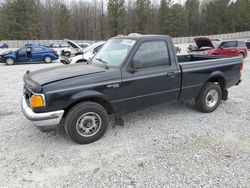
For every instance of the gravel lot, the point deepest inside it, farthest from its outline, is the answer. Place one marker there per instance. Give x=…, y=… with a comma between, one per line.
x=164, y=146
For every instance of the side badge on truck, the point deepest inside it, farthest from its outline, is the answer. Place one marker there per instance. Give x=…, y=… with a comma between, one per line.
x=113, y=85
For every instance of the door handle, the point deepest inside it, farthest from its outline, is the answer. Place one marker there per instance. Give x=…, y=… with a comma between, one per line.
x=170, y=74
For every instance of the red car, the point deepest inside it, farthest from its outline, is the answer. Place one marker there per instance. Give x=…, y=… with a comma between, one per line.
x=225, y=48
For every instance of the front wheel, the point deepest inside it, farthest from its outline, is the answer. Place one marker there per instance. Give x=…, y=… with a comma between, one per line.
x=47, y=59
x=86, y=122
x=68, y=54
x=242, y=55
x=10, y=61
x=208, y=98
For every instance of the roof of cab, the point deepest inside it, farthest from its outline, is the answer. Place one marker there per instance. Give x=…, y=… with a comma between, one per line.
x=137, y=37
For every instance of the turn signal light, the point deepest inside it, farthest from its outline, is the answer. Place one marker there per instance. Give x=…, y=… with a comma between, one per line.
x=36, y=101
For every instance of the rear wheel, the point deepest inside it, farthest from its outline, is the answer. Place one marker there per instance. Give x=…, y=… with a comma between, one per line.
x=47, y=59
x=241, y=55
x=10, y=61
x=86, y=122
x=208, y=98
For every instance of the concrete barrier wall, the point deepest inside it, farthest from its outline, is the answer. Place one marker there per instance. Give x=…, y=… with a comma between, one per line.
x=240, y=35
x=178, y=40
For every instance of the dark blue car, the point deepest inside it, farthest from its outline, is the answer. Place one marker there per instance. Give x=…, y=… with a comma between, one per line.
x=29, y=54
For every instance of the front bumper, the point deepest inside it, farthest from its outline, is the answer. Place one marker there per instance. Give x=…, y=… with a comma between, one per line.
x=47, y=120
x=65, y=60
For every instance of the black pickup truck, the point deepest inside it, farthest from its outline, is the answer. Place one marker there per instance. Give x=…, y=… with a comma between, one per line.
x=127, y=74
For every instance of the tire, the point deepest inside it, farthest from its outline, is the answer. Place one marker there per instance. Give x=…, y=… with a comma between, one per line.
x=208, y=98
x=47, y=59
x=242, y=55
x=10, y=61
x=81, y=61
x=67, y=54
x=79, y=124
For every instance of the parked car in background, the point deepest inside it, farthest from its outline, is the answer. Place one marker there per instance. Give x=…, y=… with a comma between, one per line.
x=248, y=44
x=33, y=44
x=86, y=55
x=29, y=54
x=4, y=45
x=83, y=45
x=226, y=48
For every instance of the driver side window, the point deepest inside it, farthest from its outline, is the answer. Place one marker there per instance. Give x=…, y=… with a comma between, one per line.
x=22, y=50
x=153, y=54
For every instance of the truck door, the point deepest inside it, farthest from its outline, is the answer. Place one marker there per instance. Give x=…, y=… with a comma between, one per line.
x=157, y=79
x=229, y=49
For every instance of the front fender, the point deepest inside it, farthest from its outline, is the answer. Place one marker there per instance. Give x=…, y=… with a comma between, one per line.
x=86, y=95
x=13, y=56
x=91, y=95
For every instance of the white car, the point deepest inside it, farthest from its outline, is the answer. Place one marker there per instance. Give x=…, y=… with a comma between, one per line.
x=87, y=54
x=74, y=48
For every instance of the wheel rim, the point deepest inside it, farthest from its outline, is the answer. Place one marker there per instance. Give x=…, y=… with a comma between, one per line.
x=241, y=55
x=88, y=124
x=212, y=98
x=10, y=61
x=47, y=59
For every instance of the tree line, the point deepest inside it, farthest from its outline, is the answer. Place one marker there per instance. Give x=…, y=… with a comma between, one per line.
x=56, y=19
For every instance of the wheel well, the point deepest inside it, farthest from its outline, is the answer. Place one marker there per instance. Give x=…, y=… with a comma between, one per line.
x=242, y=53
x=220, y=80
x=98, y=100
x=81, y=60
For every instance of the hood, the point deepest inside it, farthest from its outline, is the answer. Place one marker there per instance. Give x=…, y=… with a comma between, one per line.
x=73, y=44
x=203, y=42
x=49, y=75
x=7, y=53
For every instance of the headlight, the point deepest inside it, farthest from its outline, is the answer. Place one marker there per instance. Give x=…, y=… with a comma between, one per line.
x=37, y=100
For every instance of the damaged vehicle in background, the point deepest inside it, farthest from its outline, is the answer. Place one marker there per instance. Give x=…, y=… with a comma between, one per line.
x=74, y=48
x=230, y=48
x=29, y=54
x=86, y=55
x=3, y=45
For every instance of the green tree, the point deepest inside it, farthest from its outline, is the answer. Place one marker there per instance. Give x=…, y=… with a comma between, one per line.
x=63, y=21
x=242, y=15
x=193, y=16
x=177, y=22
x=143, y=13
x=20, y=20
x=116, y=14
x=217, y=17
x=163, y=16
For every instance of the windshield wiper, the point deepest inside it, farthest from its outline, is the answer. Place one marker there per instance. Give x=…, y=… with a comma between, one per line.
x=104, y=62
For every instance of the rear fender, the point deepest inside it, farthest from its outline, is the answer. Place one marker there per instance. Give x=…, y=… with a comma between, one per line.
x=218, y=77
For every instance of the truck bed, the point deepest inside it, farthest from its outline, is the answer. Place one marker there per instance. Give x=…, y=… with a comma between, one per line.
x=198, y=69
x=191, y=57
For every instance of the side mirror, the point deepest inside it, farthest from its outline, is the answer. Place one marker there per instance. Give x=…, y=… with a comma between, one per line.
x=135, y=66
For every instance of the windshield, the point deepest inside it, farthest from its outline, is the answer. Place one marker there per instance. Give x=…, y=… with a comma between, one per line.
x=114, y=52
x=90, y=47
x=216, y=44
